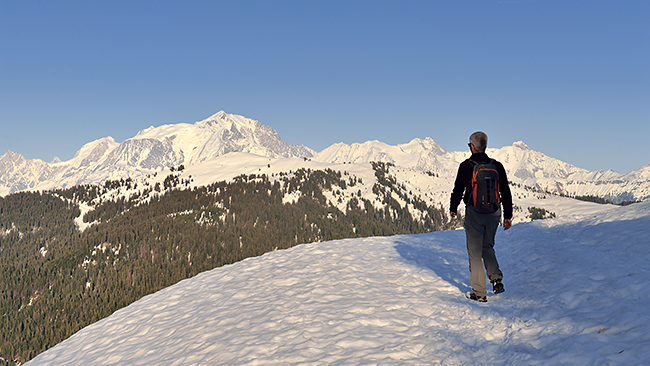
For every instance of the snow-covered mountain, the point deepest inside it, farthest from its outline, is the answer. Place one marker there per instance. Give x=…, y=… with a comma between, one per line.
x=524, y=166
x=152, y=149
x=157, y=148
x=532, y=168
x=400, y=300
x=423, y=155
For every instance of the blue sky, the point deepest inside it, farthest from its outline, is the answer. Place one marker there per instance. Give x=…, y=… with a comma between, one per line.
x=569, y=78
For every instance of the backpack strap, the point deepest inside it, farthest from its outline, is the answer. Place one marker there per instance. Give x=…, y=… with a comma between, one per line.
x=472, y=195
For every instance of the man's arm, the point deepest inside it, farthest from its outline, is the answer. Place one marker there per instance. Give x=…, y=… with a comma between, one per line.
x=459, y=189
x=506, y=198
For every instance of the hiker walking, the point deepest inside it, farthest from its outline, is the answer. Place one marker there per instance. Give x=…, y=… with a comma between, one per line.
x=482, y=184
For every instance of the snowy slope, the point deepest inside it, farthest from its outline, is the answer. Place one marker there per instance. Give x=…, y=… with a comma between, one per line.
x=433, y=189
x=575, y=295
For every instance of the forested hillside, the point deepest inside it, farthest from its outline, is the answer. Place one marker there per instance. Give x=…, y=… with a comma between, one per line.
x=55, y=279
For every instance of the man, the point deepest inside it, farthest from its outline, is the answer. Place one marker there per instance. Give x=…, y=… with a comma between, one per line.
x=480, y=228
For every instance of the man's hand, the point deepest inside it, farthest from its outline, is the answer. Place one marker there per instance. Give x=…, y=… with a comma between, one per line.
x=452, y=214
x=507, y=223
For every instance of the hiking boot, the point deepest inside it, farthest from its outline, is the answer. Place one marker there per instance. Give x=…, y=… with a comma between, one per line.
x=497, y=286
x=473, y=296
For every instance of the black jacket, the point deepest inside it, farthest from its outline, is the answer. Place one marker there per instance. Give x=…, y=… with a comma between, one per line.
x=463, y=185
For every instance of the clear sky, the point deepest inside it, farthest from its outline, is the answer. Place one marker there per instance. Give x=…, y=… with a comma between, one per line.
x=569, y=78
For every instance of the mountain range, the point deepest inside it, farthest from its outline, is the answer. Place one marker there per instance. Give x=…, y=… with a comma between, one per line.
x=157, y=148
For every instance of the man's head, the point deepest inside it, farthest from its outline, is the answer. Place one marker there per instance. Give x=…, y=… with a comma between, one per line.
x=479, y=140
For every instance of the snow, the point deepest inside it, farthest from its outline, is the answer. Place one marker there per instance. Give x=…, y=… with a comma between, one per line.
x=434, y=190
x=79, y=221
x=575, y=295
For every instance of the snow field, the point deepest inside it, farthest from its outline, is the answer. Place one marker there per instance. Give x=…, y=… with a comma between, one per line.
x=574, y=296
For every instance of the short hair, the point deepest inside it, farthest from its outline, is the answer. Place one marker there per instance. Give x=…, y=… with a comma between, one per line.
x=479, y=140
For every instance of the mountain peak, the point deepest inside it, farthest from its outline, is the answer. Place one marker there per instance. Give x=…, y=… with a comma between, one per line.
x=10, y=153
x=223, y=120
x=12, y=156
x=219, y=118
x=423, y=144
x=521, y=145
x=145, y=131
x=219, y=115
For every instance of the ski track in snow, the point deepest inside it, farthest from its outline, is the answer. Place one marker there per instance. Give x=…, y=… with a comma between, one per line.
x=574, y=296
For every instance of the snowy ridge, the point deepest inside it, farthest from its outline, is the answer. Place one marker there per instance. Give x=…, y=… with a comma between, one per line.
x=574, y=296
x=524, y=166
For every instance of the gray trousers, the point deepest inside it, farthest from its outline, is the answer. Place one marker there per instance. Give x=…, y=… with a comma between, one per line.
x=480, y=230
